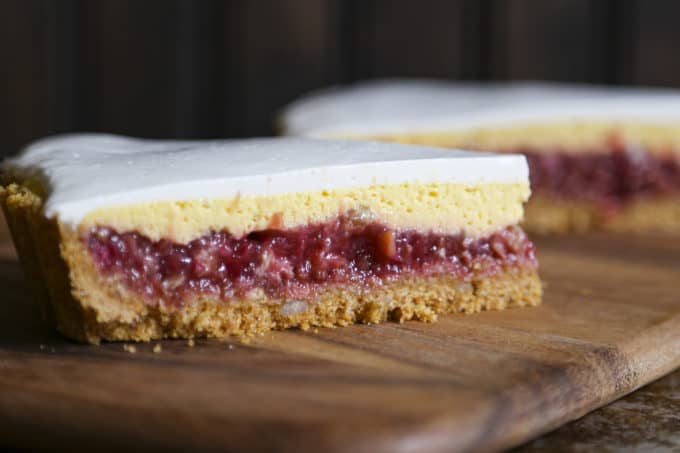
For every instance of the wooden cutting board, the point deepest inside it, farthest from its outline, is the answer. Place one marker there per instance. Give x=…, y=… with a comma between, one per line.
x=610, y=323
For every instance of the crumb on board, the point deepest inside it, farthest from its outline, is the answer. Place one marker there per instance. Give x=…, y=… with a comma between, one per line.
x=157, y=349
x=132, y=349
x=191, y=343
x=230, y=347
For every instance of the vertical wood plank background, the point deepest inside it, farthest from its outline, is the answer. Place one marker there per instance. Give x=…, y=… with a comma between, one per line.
x=182, y=68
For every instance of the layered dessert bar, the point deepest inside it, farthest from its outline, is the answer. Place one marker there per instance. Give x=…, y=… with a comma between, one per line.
x=599, y=158
x=134, y=239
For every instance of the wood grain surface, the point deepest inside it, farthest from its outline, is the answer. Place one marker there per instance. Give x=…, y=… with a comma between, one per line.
x=610, y=323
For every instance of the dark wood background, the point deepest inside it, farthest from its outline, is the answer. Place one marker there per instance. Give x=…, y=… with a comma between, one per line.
x=208, y=68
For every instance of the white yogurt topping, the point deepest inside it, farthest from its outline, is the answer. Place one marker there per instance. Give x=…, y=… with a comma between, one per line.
x=91, y=171
x=406, y=106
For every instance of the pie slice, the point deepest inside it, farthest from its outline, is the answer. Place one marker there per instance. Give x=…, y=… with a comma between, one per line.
x=599, y=157
x=137, y=239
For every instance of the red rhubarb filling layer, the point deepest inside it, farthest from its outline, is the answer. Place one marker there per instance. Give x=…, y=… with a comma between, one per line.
x=609, y=178
x=297, y=262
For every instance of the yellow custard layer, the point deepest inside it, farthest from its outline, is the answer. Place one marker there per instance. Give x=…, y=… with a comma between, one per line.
x=475, y=209
x=573, y=136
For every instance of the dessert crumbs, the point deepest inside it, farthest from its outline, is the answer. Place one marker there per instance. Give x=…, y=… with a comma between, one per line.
x=157, y=349
x=130, y=348
x=191, y=343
